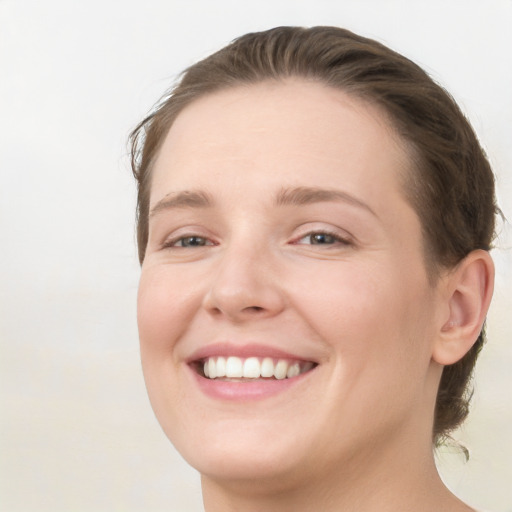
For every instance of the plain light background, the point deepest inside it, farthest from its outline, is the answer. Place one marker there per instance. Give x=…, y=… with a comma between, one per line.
x=77, y=432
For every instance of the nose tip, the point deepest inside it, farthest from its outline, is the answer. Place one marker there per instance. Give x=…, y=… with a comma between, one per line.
x=242, y=291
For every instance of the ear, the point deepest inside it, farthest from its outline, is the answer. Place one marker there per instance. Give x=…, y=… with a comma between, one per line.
x=469, y=290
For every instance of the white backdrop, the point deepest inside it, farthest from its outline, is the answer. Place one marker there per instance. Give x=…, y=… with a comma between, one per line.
x=77, y=431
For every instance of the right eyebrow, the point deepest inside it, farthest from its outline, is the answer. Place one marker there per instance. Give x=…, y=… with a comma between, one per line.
x=184, y=199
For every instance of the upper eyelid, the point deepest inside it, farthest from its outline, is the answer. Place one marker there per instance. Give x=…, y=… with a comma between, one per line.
x=167, y=238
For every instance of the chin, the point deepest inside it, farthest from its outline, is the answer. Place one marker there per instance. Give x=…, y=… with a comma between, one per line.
x=241, y=451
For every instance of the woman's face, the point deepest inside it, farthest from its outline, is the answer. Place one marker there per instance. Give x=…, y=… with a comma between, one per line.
x=280, y=242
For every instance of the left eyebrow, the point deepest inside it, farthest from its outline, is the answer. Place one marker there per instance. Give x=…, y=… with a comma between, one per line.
x=308, y=195
x=183, y=199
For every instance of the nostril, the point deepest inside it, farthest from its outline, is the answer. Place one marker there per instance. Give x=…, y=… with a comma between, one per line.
x=243, y=300
x=256, y=309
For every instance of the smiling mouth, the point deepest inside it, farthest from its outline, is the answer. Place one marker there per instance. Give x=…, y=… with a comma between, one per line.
x=251, y=369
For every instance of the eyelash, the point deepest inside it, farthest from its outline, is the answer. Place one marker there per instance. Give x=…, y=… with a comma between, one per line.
x=174, y=243
x=334, y=238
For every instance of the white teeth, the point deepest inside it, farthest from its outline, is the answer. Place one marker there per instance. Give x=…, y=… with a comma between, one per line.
x=267, y=367
x=280, y=369
x=212, y=369
x=221, y=367
x=253, y=368
x=293, y=370
x=234, y=367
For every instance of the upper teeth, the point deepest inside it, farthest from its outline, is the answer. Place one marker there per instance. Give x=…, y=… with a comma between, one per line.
x=253, y=367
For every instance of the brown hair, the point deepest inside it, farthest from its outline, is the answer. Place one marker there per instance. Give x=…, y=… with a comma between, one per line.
x=451, y=187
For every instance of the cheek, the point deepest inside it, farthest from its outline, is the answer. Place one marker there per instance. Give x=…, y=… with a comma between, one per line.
x=163, y=311
x=371, y=314
x=164, y=308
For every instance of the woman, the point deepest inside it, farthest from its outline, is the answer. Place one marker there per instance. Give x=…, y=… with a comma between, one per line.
x=314, y=221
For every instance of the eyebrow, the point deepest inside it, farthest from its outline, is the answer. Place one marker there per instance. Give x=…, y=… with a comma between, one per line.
x=184, y=199
x=297, y=196
x=309, y=195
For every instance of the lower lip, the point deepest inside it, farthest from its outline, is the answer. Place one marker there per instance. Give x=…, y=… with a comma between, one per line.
x=248, y=390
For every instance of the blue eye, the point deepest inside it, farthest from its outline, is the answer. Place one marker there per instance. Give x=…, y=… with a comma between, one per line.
x=322, y=238
x=190, y=241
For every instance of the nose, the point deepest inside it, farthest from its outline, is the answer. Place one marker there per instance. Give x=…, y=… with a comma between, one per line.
x=244, y=286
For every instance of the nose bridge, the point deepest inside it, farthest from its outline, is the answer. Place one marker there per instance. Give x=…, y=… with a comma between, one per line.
x=244, y=283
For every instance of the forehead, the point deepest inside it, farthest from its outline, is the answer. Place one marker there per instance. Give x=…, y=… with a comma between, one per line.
x=290, y=131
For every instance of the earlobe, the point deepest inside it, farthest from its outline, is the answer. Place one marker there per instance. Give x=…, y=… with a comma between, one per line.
x=469, y=292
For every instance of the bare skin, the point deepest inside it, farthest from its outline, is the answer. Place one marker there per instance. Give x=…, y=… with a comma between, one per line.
x=279, y=223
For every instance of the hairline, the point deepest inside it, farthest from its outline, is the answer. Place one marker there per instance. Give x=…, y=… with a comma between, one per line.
x=406, y=178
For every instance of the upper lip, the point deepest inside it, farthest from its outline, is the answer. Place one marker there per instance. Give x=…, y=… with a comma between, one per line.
x=226, y=349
